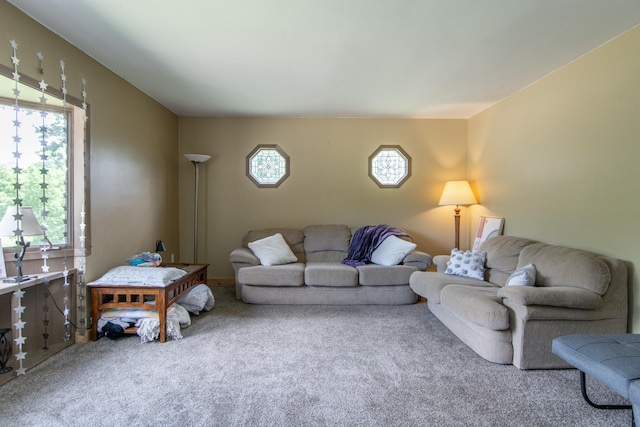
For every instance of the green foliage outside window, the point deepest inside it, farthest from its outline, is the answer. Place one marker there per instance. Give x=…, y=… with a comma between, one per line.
x=42, y=185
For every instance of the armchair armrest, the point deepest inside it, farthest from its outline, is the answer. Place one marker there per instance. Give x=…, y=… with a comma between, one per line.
x=420, y=260
x=243, y=256
x=557, y=296
x=440, y=262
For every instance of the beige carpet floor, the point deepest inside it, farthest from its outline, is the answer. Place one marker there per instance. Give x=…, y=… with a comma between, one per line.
x=248, y=365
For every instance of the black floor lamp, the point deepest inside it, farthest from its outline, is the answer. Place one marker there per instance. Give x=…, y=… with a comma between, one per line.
x=196, y=159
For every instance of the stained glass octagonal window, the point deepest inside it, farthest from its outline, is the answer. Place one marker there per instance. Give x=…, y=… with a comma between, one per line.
x=389, y=166
x=268, y=165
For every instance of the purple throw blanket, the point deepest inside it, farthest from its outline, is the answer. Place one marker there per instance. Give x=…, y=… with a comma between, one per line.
x=366, y=240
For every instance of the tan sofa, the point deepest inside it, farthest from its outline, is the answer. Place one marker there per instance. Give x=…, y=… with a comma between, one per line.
x=317, y=275
x=575, y=292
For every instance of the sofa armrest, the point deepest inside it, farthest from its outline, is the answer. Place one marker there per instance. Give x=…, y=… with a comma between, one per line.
x=440, y=262
x=243, y=256
x=420, y=260
x=557, y=296
x=239, y=258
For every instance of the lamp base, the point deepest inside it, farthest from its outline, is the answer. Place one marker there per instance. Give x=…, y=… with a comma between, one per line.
x=15, y=279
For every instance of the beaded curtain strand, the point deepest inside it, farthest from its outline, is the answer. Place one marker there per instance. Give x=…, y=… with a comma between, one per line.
x=19, y=293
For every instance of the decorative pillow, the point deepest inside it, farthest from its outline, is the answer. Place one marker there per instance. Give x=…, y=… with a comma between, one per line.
x=466, y=264
x=392, y=251
x=273, y=250
x=525, y=276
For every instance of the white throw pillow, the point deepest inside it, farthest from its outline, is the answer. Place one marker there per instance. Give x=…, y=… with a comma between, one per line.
x=392, y=251
x=273, y=250
x=525, y=276
x=466, y=264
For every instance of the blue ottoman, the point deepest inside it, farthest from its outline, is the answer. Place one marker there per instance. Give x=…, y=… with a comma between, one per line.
x=634, y=397
x=613, y=360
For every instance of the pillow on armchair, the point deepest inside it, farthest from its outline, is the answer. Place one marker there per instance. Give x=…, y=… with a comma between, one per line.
x=525, y=276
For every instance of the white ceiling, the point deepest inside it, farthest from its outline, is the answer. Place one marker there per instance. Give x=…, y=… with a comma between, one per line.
x=333, y=58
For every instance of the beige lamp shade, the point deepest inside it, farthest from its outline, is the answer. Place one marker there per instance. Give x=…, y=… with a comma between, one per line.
x=457, y=193
x=28, y=223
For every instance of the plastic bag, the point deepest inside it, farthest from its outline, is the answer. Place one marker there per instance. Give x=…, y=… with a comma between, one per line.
x=145, y=259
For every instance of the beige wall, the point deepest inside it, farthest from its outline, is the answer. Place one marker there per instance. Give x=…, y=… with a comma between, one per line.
x=134, y=145
x=329, y=180
x=559, y=160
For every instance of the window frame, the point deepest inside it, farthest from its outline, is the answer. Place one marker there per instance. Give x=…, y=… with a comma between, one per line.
x=399, y=150
x=282, y=154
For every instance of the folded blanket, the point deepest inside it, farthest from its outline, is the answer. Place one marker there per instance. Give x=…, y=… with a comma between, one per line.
x=366, y=240
x=149, y=329
x=114, y=321
x=197, y=299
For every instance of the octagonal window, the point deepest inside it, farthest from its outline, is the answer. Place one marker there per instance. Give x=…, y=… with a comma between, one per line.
x=389, y=166
x=268, y=165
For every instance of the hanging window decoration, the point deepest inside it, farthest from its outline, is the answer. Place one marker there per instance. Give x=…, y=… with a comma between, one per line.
x=268, y=165
x=43, y=199
x=81, y=259
x=80, y=265
x=40, y=166
x=67, y=334
x=389, y=166
x=19, y=293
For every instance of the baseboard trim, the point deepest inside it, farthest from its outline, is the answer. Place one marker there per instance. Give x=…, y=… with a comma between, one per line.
x=221, y=281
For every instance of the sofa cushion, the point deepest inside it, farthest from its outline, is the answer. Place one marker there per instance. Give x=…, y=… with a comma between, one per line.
x=326, y=243
x=429, y=284
x=272, y=250
x=479, y=305
x=379, y=275
x=330, y=274
x=276, y=275
x=562, y=266
x=392, y=251
x=466, y=264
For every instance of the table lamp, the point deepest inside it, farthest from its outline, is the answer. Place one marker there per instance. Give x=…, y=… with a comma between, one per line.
x=457, y=193
x=16, y=220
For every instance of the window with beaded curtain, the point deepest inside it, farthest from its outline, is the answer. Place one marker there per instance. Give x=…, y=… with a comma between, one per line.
x=43, y=155
x=44, y=169
x=44, y=152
